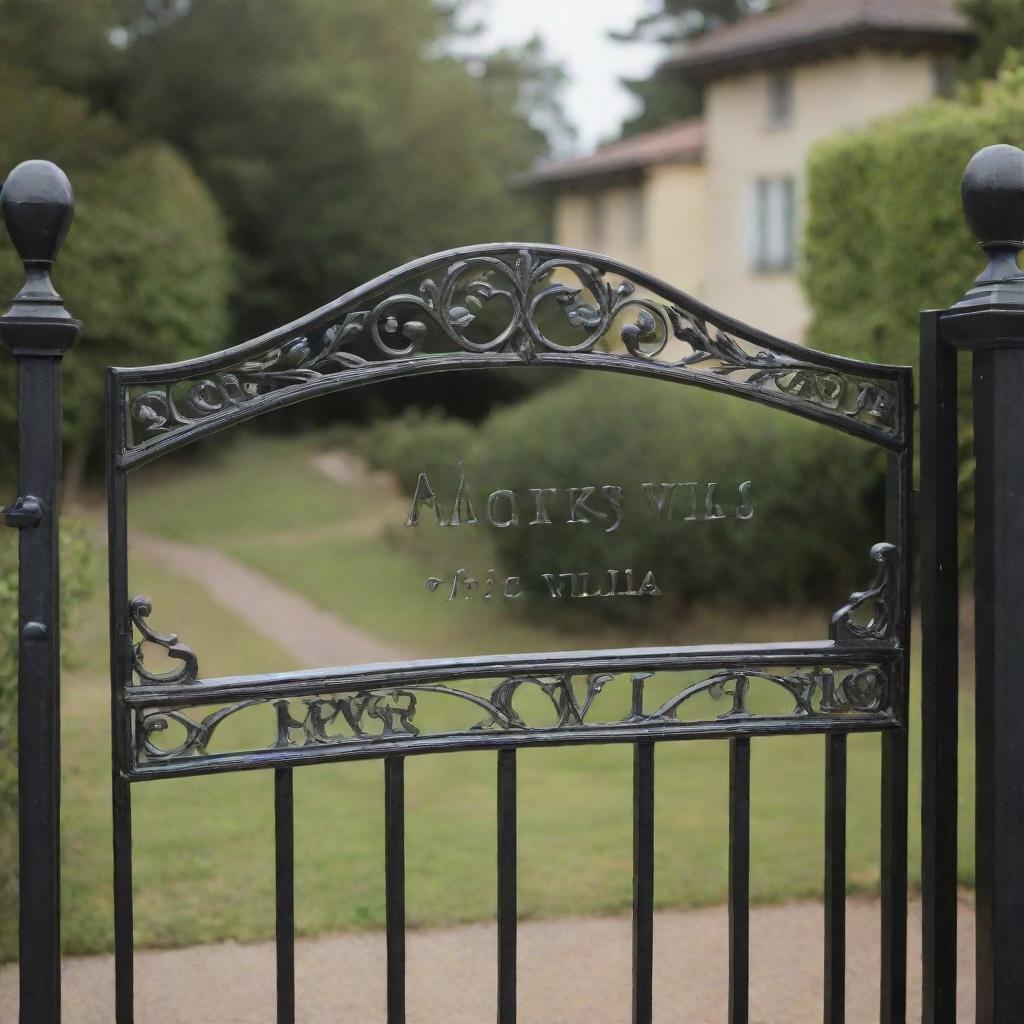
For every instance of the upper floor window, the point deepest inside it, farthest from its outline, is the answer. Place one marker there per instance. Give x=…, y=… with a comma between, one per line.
x=780, y=99
x=773, y=224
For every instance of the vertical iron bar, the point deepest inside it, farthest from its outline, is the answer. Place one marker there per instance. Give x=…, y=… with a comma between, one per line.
x=643, y=881
x=893, y=982
x=121, y=736
x=394, y=874
x=989, y=321
x=939, y=673
x=284, y=881
x=999, y=603
x=507, y=886
x=835, y=878
x=39, y=692
x=739, y=879
x=38, y=206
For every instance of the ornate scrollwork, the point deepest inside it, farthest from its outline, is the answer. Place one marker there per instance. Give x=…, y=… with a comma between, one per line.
x=525, y=303
x=140, y=609
x=880, y=596
x=390, y=712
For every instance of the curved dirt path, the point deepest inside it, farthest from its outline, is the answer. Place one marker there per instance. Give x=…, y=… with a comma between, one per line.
x=308, y=633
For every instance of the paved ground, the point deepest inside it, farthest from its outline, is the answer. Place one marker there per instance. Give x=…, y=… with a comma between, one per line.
x=570, y=972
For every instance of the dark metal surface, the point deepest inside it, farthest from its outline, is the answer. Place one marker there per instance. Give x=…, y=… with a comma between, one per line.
x=990, y=323
x=394, y=884
x=739, y=879
x=37, y=208
x=940, y=678
x=284, y=887
x=508, y=886
x=643, y=882
x=835, y=879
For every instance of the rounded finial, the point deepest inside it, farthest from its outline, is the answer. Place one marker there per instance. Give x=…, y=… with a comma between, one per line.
x=993, y=195
x=38, y=207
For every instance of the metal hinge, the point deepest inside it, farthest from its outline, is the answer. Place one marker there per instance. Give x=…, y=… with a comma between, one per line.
x=25, y=512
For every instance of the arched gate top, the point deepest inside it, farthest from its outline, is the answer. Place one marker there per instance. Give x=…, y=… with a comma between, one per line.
x=505, y=304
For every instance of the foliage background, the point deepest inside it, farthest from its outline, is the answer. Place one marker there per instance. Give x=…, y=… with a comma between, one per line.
x=886, y=235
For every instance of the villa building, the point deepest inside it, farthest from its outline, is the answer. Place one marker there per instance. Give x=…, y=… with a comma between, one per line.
x=714, y=204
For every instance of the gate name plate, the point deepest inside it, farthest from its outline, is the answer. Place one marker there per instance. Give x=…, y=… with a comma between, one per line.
x=602, y=505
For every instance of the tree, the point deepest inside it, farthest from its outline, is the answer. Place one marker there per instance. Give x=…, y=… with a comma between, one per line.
x=146, y=266
x=665, y=98
x=339, y=138
x=998, y=26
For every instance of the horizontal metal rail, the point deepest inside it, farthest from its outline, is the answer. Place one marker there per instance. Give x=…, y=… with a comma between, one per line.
x=403, y=673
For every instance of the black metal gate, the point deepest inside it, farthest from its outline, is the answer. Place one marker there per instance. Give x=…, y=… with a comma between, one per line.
x=411, y=322
x=856, y=680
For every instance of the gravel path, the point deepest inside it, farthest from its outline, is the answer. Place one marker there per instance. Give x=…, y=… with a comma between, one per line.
x=570, y=972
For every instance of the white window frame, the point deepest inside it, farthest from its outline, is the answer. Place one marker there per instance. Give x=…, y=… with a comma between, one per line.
x=773, y=227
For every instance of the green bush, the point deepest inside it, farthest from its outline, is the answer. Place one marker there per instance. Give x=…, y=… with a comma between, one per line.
x=418, y=441
x=817, y=492
x=76, y=557
x=886, y=235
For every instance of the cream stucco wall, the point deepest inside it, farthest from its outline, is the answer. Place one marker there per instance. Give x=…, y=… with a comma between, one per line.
x=657, y=222
x=697, y=220
x=677, y=226
x=828, y=97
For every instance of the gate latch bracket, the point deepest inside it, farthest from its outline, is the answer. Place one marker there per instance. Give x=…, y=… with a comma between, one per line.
x=25, y=512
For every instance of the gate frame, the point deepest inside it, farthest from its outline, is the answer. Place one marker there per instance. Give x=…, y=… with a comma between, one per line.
x=154, y=410
x=38, y=207
x=989, y=323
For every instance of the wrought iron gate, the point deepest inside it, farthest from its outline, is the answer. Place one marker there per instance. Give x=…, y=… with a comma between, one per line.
x=416, y=321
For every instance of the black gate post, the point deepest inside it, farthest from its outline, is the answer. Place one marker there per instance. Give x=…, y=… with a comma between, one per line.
x=37, y=208
x=989, y=322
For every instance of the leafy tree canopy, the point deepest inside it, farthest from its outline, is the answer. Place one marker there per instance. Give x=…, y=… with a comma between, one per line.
x=146, y=266
x=998, y=26
x=339, y=137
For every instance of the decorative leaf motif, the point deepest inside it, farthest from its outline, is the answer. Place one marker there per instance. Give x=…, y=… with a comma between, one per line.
x=515, y=302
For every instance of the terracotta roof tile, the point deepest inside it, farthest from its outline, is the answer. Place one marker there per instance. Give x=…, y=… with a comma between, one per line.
x=806, y=25
x=678, y=142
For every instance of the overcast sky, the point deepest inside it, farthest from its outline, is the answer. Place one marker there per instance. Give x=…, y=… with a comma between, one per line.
x=575, y=33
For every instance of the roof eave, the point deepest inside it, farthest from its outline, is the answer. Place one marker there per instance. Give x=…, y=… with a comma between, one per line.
x=698, y=68
x=594, y=176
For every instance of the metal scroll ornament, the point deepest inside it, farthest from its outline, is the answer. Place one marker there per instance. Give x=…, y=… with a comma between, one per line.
x=880, y=598
x=140, y=609
x=526, y=303
x=385, y=713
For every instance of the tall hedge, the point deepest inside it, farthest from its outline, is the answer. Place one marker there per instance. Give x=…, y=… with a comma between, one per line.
x=885, y=235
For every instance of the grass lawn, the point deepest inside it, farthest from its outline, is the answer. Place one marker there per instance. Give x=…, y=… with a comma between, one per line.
x=203, y=847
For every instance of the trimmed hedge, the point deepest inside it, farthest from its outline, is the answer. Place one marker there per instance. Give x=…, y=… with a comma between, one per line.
x=817, y=492
x=886, y=235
